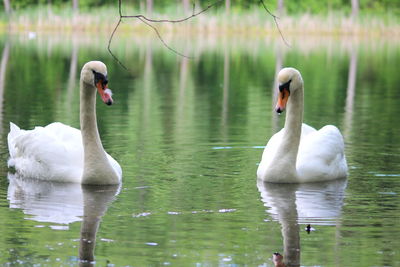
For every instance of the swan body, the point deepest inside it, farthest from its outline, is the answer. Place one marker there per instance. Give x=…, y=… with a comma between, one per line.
x=299, y=153
x=61, y=153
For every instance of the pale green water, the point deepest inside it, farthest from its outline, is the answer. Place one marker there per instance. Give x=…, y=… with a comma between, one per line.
x=189, y=134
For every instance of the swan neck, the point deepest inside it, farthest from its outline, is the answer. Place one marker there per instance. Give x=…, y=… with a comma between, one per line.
x=292, y=130
x=294, y=117
x=97, y=169
x=88, y=119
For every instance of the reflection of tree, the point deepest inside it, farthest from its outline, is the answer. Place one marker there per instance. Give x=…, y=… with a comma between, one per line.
x=355, y=6
x=147, y=85
x=295, y=204
x=281, y=7
x=72, y=68
x=71, y=84
x=227, y=6
x=225, y=95
x=183, y=104
x=185, y=4
x=149, y=6
x=3, y=71
x=7, y=6
x=278, y=67
x=183, y=83
x=75, y=5
x=350, y=93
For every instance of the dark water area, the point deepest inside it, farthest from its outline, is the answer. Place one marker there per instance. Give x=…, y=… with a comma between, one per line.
x=189, y=133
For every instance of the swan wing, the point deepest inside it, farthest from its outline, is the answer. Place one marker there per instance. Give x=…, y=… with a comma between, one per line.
x=54, y=152
x=321, y=155
x=269, y=154
x=306, y=130
x=115, y=165
x=273, y=145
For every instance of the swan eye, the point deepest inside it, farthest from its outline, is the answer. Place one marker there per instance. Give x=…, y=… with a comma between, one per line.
x=99, y=77
x=286, y=86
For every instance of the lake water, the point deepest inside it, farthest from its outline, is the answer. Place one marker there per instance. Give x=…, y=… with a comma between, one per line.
x=189, y=133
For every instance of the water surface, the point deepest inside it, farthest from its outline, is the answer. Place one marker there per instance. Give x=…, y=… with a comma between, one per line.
x=189, y=133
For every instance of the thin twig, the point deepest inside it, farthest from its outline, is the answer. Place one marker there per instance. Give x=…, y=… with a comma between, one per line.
x=119, y=8
x=176, y=20
x=109, y=44
x=147, y=21
x=161, y=39
x=275, y=20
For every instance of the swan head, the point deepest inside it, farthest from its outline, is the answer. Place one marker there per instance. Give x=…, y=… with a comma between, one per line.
x=94, y=74
x=289, y=80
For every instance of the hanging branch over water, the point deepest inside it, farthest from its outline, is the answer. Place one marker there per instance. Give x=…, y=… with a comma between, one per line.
x=276, y=22
x=147, y=21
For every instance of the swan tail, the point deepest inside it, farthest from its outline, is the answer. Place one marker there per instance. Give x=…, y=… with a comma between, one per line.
x=15, y=131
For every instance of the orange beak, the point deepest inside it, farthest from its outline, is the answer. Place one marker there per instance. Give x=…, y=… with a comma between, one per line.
x=105, y=93
x=283, y=97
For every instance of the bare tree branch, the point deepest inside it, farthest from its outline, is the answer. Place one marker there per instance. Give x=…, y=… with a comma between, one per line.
x=147, y=21
x=177, y=20
x=161, y=39
x=109, y=44
x=275, y=20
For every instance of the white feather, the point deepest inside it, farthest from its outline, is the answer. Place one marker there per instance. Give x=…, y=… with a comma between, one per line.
x=320, y=154
x=60, y=153
x=53, y=153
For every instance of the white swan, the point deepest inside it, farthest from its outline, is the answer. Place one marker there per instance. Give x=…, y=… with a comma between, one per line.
x=61, y=153
x=299, y=153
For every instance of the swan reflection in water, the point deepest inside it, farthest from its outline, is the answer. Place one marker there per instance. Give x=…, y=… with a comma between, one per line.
x=293, y=205
x=64, y=203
